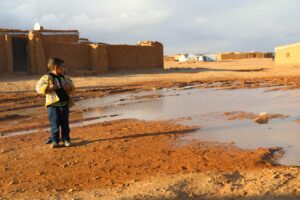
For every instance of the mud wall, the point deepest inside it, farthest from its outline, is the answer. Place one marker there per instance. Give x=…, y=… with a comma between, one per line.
x=99, y=58
x=105, y=57
x=76, y=56
x=57, y=38
x=134, y=57
x=269, y=55
x=6, y=55
x=287, y=55
x=43, y=45
x=251, y=55
x=37, y=57
x=2, y=55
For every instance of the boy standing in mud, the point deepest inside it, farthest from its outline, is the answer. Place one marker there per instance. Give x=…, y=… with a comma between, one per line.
x=58, y=89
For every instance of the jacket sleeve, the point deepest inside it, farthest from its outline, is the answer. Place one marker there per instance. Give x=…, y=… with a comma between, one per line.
x=42, y=85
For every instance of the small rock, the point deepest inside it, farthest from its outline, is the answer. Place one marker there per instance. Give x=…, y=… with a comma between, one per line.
x=95, y=194
x=70, y=190
x=261, y=120
x=76, y=198
x=125, y=185
x=184, y=168
x=13, y=182
x=21, y=190
x=3, y=150
x=40, y=173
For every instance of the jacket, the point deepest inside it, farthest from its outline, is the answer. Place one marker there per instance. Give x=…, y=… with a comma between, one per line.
x=51, y=97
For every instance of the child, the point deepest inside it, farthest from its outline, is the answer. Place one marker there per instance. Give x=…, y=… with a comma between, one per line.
x=58, y=89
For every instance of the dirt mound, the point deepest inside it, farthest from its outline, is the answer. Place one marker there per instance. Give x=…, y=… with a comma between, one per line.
x=262, y=118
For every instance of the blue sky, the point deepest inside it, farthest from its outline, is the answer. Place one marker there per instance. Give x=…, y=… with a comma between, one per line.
x=181, y=25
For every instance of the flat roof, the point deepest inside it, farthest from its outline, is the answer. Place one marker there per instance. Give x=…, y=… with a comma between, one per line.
x=287, y=46
x=43, y=32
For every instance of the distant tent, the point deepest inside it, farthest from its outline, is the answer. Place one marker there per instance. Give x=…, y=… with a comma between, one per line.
x=201, y=58
x=187, y=57
x=196, y=57
x=210, y=57
x=183, y=58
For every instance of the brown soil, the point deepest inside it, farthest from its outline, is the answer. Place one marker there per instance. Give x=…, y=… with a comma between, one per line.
x=114, y=154
x=131, y=159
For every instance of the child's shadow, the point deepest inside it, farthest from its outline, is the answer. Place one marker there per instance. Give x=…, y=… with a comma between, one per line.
x=136, y=136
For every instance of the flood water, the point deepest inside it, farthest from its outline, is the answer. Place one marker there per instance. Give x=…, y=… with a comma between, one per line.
x=204, y=108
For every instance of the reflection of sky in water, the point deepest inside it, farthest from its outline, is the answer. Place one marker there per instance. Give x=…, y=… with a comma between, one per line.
x=204, y=107
x=200, y=103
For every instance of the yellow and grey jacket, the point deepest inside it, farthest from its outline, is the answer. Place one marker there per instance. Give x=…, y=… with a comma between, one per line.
x=52, y=97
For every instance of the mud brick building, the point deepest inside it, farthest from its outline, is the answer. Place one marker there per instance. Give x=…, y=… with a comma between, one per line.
x=27, y=52
x=289, y=54
x=243, y=55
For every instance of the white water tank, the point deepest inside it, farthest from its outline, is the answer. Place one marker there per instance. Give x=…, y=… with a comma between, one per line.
x=37, y=27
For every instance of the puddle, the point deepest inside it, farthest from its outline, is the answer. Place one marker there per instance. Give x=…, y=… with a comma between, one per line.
x=204, y=107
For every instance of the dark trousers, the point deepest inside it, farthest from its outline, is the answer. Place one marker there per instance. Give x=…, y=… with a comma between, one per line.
x=59, y=118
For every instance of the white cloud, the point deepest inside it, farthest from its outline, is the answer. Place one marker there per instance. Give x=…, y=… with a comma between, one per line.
x=206, y=25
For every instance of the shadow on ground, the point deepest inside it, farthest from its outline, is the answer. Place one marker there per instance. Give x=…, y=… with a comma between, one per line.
x=174, y=70
x=136, y=136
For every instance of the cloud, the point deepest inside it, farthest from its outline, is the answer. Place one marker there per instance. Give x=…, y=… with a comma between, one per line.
x=198, y=26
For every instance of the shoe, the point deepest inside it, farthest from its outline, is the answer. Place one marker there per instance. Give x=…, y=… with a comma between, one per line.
x=67, y=143
x=48, y=141
x=54, y=144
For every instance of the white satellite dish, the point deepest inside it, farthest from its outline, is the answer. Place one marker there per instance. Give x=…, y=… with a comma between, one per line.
x=37, y=27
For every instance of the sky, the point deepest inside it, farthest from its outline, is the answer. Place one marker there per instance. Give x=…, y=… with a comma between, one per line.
x=199, y=26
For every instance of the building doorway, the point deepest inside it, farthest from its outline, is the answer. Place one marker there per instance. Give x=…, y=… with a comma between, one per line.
x=19, y=47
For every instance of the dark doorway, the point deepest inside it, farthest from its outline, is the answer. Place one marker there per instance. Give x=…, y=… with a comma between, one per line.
x=19, y=46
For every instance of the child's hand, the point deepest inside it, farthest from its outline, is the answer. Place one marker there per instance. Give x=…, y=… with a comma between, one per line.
x=51, y=88
x=67, y=87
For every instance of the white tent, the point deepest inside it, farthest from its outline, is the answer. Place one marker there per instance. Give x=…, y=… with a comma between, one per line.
x=187, y=57
x=200, y=58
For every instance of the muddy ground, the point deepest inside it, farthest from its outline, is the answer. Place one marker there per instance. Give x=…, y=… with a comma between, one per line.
x=134, y=159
